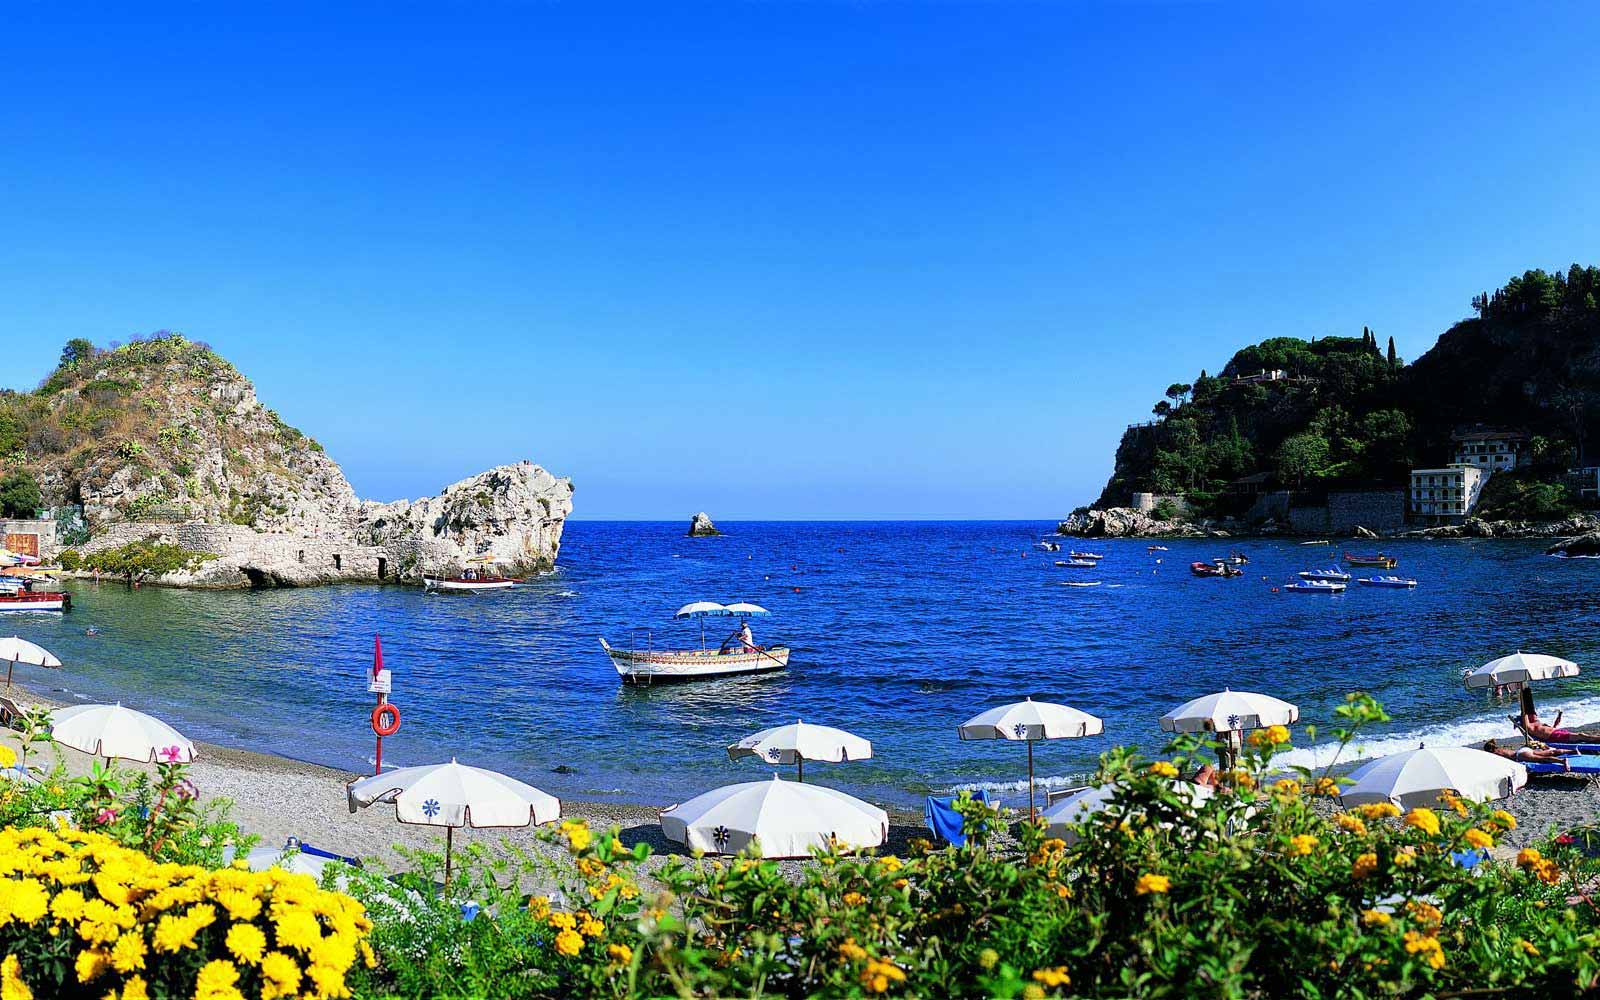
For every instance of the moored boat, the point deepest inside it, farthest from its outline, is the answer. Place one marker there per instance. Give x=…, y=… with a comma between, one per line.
x=1093, y=556
x=1331, y=573
x=1047, y=545
x=472, y=580
x=1237, y=559
x=737, y=656
x=1392, y=582
x=1217, y=568
x=1315, y=587
x=1379, y=560
x=20, y=596
x=1155, y=548
x=1077, y=563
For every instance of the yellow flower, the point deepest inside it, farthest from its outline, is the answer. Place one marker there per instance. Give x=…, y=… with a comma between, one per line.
x=1052, y=977
x=563, y=921
x=26, y=900
x=620, y=953
x=853, y=898
x=849, y=951
x=281, y=973
x=296, y=929
x=1151, y=883
x=577, y=834
x=1427, y=946
x=1164, y=769
x=890, y=863
x=1405, y=857
x=878, y=974
x=1286, y=788
x=1528, y=947
x=1477, y=838
x=173, y=933
x=987, y=958
x=8, y=756
x=590, y=927
x=1424, y=912
x=1528, y=857
x=1033, y=991
x=539, y=907
x=1453, y=801
x=1326, y=786
x=1272, y=735
x=217, y=978
x=1375, y=918
x=1378, y=810
x=247, y=943
x=1423, y=819
x=1302, y=844
x=127, y=955
x=1364, y=865
x=90, y=964
x=135, y=988
x=1504, y=819
x=1242, y=778
x=569, y=943
x=1351, y=823
x=11, y=985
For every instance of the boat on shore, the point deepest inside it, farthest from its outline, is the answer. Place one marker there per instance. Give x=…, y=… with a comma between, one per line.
x=1380, y=560
x=1392, y=582
x=1314, y=587
x=1331, y=573
x=649, y=665
x=1219, y=568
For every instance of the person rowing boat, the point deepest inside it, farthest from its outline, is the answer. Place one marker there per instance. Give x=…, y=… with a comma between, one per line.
x=741, y=641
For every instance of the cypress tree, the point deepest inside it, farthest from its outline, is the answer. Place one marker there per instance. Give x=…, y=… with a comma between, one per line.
x=1392, y=358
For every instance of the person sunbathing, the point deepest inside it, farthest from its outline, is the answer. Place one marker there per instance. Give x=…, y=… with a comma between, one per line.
x=1531, y=754
x=1553, y=733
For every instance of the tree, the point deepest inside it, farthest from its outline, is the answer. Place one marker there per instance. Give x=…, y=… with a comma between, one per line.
x=78, y=350
x=1161, y=409
x=1302, y=457
x=19, y=496
x=1394, y=359
x=1178, y=391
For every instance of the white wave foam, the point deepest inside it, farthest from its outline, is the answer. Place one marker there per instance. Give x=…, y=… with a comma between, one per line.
x=1489, y=724
x=1021, y=785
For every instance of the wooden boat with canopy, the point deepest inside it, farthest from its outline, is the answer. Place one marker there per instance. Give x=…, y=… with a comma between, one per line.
x=475, y=578
x=733, y=658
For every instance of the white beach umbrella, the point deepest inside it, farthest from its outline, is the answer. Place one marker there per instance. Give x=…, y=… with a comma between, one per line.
x=701, y=609
x=1520, y=668
x=785, y=819
x=114, y=731
x=1229, y=711
x=455, y=795
x=17, y=650
x=1417, y=777
x=1030, y=721
x=797, y=743
x=1061, y=816
x=745, y=608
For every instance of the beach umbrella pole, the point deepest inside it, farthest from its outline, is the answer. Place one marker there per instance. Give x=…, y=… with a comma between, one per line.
x=449, y=842
x=1030, y=779
x=10, y=666
x=800, y=769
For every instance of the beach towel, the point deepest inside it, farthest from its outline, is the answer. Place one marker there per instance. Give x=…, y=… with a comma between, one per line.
x=940, y=816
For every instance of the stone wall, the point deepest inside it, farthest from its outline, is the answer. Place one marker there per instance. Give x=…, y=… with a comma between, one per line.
x=1346, y=510
x=249, y=558
x=1144, y=503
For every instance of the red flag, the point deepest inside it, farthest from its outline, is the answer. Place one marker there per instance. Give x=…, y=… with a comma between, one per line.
x=377, y=655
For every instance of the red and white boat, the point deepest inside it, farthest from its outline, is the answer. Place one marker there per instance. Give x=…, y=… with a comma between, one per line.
x=32, y=600
x=735, y=657
x=473, y=580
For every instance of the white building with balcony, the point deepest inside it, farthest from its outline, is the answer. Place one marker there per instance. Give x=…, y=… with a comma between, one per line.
x=1491, y=450
x=1444, y=495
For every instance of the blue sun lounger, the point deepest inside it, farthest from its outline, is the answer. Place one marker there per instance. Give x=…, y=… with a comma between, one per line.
x=940, y=816
x=1587, y=749
x=1577, y=767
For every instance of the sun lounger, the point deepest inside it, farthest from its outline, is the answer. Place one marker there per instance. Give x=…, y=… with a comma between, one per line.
x=10, y=713
x=1588, y=749
x=940, y=816
x=1576, y=767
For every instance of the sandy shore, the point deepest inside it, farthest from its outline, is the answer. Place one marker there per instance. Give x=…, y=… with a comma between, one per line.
x=276, y=798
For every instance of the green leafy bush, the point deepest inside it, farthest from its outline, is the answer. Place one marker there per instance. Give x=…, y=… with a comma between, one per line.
x=148, y=557
x=19, y=496
x=1262, y=889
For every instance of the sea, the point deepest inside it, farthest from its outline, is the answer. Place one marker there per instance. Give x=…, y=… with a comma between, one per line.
x=900, y=632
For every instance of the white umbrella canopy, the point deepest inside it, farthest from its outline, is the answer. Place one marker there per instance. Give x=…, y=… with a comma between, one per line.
x=1521, y=668
x=746, y=608
x=1031, y=721
x=455, y=795
x=114, y=731
x=17, y=650
x=799, y=742
x=784, y=819
x=1417, y=777
x=701, y=609
x=1229, y=711
x=1064, y=814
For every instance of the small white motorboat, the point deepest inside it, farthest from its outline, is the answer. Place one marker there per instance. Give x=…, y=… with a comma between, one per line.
x=1077, y=563
x=1155, y=548
x=1075, y=554
x=736, y=657
x=1331, y=573
x=1047, y=545
x=472, y=580
x=1392, y=582
x=1080, y=583
x=1315, y=587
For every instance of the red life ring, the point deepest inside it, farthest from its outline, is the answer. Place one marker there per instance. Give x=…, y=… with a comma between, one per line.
x=392, y=726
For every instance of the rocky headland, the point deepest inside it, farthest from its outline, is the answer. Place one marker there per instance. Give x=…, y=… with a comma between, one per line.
x=164, y=439
x=1128, y=522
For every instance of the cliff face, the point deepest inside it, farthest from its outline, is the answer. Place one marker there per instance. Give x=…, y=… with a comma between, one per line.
x=163, y=435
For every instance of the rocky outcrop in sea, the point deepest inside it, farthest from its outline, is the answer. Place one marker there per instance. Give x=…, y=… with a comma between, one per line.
x=700, y=526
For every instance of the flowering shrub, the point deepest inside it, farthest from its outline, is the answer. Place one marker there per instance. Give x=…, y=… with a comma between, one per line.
x=1264, y=888
x=81, y=915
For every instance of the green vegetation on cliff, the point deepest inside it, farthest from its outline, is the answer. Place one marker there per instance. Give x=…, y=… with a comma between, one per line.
x=1311, y=414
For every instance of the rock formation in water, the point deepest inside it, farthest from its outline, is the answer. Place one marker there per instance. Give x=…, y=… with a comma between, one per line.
x=700, y=526
x=164, y=438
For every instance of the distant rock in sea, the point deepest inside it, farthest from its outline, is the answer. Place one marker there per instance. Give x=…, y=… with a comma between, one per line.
x=700, y=526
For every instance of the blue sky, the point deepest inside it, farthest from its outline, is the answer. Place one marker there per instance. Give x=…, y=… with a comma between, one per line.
x=773, y=260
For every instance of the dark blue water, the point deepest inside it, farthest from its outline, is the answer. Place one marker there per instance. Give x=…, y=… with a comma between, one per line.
x=900, y=631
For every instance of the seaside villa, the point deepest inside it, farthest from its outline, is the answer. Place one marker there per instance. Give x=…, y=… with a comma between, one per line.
x=1444, y=495
x=1491, y=450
